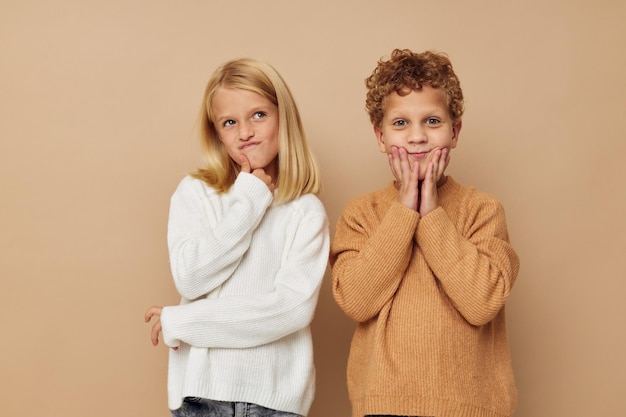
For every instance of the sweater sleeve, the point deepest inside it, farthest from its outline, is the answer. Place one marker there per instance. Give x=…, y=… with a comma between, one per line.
x=208, y=235
x=369, y=259
x=474, y=261
x=242, y=321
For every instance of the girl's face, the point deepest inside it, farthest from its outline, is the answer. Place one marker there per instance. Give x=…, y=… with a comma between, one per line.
x=420, y=122
x=247, y=124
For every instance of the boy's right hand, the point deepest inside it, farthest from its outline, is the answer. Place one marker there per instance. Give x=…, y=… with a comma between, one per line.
x=406, y=174
x=258, y=172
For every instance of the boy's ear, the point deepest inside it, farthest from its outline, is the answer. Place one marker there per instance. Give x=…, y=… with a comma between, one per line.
x=379, y=138
x=456, y=129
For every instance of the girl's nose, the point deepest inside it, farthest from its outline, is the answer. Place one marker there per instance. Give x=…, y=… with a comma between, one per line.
x=246, y=131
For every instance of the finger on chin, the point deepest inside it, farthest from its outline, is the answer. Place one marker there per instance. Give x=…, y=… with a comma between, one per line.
x=244, y=163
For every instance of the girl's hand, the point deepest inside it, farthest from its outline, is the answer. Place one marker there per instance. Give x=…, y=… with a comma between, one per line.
x=155, y=311
x=434, y=173
x=406, y=174
x=259, y=172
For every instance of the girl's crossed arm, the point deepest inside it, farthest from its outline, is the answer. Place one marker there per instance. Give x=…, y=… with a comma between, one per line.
x=208, y=233
x=241, y=321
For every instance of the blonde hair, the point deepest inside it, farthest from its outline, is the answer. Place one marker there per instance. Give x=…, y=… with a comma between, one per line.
x=298, y=173
x=409, y=70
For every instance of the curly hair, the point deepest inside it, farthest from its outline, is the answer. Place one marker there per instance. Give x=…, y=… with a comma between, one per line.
x=409, y=70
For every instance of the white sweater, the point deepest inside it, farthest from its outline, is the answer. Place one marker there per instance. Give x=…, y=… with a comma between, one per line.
x=249, y=274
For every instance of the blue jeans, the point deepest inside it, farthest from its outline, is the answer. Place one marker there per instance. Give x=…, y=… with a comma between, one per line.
x=201, y=407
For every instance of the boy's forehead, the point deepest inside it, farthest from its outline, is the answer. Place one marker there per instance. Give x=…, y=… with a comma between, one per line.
x=423, y=98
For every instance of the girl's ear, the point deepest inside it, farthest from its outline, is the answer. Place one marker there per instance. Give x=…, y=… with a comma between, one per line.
x=379, y=138
x=456, y=129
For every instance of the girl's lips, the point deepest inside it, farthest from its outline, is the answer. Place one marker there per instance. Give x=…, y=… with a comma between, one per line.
x=247, y=145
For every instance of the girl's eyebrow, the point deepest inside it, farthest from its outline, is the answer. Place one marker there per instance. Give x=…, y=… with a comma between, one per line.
x=222, y=118
x=263, y=107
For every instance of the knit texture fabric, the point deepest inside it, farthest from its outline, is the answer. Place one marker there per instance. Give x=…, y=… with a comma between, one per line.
x=249, y=274
x=428, y=296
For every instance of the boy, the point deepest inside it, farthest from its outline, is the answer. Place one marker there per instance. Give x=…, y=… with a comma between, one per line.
x=424, y=266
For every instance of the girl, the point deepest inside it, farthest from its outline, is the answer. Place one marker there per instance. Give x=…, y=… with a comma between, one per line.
x=248, y=242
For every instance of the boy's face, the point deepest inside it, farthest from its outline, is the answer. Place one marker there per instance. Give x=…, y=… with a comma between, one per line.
x=418, y=122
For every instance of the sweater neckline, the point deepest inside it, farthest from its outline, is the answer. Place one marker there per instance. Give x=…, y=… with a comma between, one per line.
x=444, y=188
x=390, y=193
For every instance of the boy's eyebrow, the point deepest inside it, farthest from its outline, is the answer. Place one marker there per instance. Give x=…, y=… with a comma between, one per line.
x=423, y=112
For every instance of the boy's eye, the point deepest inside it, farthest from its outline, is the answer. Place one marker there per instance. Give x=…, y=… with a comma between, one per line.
x=432, y=121
x=400, y=123
x=259, y=115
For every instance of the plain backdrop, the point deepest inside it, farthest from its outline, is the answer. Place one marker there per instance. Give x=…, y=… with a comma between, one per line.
x=98, y=104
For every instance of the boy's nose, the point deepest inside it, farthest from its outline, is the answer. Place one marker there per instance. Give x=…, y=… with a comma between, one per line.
x=417, y=135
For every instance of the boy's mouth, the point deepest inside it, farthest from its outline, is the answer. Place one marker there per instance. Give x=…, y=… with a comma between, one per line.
x=419, y=155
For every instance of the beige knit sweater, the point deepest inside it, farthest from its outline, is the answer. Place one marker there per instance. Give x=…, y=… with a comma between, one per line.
x=428, y=295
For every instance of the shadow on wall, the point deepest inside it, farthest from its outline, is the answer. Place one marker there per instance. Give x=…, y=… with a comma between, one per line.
x=332, y=332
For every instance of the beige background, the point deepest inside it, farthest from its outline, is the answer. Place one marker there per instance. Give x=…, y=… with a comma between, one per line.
x=98, y=101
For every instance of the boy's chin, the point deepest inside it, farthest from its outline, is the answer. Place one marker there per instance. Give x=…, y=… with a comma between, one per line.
x=442, y=178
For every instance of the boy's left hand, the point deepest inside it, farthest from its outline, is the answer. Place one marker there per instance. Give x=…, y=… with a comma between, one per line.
x=434, y=173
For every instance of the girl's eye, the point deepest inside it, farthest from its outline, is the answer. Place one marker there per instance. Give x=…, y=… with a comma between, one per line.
x=228, y=123
x=259, y=115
